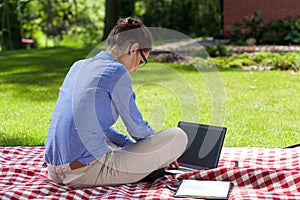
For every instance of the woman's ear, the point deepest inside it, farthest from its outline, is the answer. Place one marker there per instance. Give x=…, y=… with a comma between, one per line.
x=133, y=48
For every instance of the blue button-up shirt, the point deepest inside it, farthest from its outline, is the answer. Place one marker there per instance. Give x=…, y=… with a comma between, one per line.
x=94, y=94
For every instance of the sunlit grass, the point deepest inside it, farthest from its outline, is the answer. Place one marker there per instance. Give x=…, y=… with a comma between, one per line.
x=261, y=108
x=29, y=83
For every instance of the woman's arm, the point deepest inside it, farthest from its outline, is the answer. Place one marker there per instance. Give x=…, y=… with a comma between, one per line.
x=123, y=98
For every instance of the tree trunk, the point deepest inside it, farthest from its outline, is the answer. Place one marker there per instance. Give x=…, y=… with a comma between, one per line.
x=3, y=24
x=111, y=16
x=126, y=8
x=49, y=16
x=10, y=43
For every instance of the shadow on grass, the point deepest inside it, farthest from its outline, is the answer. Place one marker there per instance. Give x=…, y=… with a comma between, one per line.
x=38, y=73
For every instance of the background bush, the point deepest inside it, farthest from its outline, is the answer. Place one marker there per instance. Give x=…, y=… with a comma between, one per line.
x=217, y=50
x=280, y=61
x=281, y=32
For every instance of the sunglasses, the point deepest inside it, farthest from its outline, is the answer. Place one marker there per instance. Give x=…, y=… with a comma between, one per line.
x=142, y=63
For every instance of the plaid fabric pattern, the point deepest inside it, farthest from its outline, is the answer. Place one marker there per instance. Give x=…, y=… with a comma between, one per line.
x=261, y=174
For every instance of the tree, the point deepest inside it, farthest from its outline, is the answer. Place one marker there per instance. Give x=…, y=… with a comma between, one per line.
x=192, y=17
x=111, y=16
x=84, y=21
x=115, y=9
x=50, y=21
x=126, y=8
x=10, y=32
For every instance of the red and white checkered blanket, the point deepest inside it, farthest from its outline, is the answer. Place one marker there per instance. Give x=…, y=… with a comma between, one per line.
x=261, y=174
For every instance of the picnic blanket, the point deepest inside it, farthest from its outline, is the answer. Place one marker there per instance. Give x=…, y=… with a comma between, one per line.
x=261, y=173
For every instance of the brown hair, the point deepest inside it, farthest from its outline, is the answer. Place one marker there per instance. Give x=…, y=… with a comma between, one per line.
x=130, y=30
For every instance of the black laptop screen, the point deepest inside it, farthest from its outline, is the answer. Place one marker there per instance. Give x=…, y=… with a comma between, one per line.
x=204, y=146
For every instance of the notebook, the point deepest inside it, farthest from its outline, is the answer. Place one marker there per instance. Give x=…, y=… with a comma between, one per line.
x=204, y=189
x=204, y=147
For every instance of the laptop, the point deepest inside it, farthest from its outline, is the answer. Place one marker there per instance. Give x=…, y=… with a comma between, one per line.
x=204, y=147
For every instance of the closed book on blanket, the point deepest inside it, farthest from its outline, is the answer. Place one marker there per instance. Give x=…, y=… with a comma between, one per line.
x=204, y=189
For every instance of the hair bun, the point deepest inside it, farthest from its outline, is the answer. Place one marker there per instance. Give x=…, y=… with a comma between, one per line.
x=130, y=22
x=121, y=34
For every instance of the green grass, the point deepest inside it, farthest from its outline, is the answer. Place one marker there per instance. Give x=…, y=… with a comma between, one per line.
x=29, y=83
x=261, y=108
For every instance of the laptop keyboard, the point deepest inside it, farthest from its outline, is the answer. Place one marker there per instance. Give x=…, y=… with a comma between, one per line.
x=185, y=169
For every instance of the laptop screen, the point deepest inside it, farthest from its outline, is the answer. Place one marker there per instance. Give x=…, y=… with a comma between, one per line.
x=204, y=145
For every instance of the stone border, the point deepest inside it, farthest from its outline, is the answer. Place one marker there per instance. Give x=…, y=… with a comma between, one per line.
x=271, y=48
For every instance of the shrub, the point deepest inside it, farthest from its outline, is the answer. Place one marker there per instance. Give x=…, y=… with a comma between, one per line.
x=262, y=55
x=247, y=62
x=279, y=62
x=223, y=51
x=211, y=50
x=203, y=63
x=218, y=50
x=239, y=62
x=250, y=27
x=295, y=56
x=280, y=32
x=220, y=62
x=243, y=55
x=293, y=35
x=274, y=33
x=282, y=61
x=234, y=64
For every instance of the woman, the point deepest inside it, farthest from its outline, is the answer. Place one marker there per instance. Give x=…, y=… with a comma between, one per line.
x=82, y=147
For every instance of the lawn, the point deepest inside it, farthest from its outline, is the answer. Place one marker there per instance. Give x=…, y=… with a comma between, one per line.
x=259, y=108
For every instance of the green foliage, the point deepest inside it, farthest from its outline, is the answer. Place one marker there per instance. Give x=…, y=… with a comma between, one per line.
x=238, y=63
x=262, y=55
x=58, y=22
x=238, y=56
x=234, y=61
x=49, y=22
x=194, y=18
x=281, y=61
x=223, y=50
x=212, y=51
x=285, y=61
x=202, y=63
x=294, y=58
x=218, y=50
x=206, y=63
x=293, y=35
x=280, y=32
x=219, y=62
x=249, y=27
x=139, y=8
x=233, y=64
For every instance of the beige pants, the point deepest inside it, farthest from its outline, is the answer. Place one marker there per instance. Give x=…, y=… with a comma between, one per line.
x=127, y=165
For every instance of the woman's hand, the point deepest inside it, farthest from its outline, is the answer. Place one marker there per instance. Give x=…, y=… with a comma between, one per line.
x=174, y=164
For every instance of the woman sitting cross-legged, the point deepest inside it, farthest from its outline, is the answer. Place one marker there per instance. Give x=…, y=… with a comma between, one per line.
x=83, y=149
